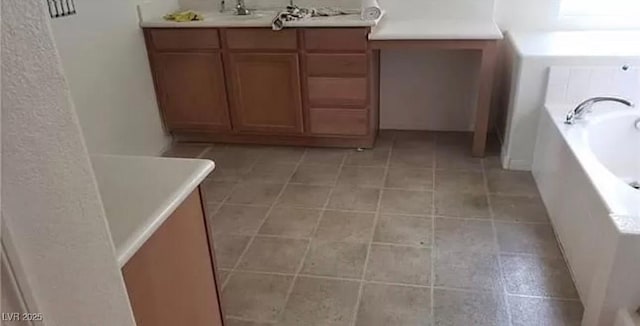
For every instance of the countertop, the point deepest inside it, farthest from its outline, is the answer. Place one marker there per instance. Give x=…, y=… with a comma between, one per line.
x=259, y=18
x=139, y=193
x=576, y=43
x=435, y=29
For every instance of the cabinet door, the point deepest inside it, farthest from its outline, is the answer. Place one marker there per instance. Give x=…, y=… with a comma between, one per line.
x=170, y=280
x=192, y=91
x=265, y=90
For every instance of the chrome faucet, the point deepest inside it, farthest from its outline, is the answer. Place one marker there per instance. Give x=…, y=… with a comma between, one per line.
x=241, y=9
x=585, y=106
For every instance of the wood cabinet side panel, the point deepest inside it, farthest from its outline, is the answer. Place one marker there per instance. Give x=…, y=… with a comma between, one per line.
x=170, y=280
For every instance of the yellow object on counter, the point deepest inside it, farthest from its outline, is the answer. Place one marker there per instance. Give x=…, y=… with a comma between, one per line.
x=183, y=16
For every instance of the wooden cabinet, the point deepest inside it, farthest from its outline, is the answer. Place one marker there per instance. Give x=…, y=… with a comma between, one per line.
x=191, y=90
x=311, y=87
x=265, y=89
x=171, y=279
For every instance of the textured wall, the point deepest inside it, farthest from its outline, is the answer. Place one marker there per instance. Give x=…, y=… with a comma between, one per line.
x=50, y=199
x=105, y=61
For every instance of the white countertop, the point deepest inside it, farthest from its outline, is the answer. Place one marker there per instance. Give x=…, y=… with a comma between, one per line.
x=258, y=18
x=140, y=192
x=576, y=43
x=435, y=29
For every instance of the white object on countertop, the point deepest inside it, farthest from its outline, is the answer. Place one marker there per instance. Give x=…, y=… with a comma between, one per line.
x=139, y=193
x=435, y=29
x=370, y=10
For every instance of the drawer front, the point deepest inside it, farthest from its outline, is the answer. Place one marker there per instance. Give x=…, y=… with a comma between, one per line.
x=339, y=122
x=258, y=38
x=184, y=39
x=338, y=39
x=328, y=91
x=337, y=65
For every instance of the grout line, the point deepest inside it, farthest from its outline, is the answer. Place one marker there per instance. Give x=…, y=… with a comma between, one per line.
x=313, y=232
x=503, y=279
x=432, y=278
x=373, y=230
x=264, y=219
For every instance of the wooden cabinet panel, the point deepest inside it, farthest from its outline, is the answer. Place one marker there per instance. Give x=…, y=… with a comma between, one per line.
x=328, y=91
x=170, y=280
x=266, y=92
x=184, y=39
x=327, y=64
x=336, y=39
x=261, y=38
x=339, y=122
x=191, y=90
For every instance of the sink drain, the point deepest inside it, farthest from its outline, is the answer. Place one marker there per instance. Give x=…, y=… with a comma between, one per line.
x=635, y=184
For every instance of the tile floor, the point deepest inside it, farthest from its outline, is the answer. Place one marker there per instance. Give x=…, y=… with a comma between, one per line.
x=412, y=232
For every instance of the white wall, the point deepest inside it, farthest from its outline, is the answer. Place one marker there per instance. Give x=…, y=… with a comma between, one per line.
x=105, y=61
x=50, y=200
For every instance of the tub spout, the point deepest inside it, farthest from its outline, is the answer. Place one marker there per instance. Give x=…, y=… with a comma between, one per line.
x=583, y=108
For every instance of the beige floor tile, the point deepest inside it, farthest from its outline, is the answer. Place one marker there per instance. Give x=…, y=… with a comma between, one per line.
x=385, y=305
x=304, y=196
x=238, y=219
x=283, y=154
x=396, y=264
x=459, y=204
x=519, y=209
x=228, y=249
x=457, y=159
x=335, y=259
x=402, y=229
x=537, y=276
x=536, y=239
x=355, y=198
x=410, y=158
x=457, y=308
x=267, y=254
x=186, y=150
x=316, y=174
x=410, y=178
x=321, y=302
x=291, y=222
x=459, y=181
x=464, y=235
x=222, y=276
x=369, y=157
x=271, y=172
x=467, y=270
x=345, y=226
x=511, y=182
x=406, y=202
x=360, y=176
x=334, y=156
x=538, y=311
x=255, y=193
x=255, y=296
x=216, y=192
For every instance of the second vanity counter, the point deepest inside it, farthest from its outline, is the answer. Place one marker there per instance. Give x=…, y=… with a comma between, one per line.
x=139, y=193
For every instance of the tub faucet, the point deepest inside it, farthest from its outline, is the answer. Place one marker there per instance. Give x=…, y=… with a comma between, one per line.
x=583, y=108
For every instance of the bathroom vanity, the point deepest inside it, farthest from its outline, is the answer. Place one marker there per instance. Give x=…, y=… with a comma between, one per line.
x=298, y=86
x=161, y=236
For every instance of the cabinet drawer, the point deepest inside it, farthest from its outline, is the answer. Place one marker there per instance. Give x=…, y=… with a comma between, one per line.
x=340, y=39
x=184, y=39
x=337, y=64
x=338, y=122
x=328, y=91
x=258, y=38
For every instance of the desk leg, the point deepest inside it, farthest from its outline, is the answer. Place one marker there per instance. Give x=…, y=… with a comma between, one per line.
x=483, y=102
